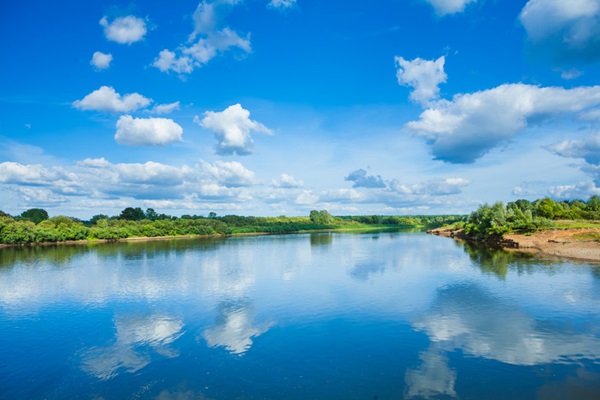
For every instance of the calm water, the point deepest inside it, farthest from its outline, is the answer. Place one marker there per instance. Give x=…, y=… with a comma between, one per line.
x=319, y=316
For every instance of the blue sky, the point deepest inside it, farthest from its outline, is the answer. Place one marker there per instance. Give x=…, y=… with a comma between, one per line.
x=270, y=107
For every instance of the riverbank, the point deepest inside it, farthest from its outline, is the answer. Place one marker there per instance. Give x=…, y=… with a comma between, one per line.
x=353, y=228
x=578, y=244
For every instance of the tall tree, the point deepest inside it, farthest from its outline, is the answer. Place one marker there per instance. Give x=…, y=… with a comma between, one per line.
x=35, y=215
x=132, y=214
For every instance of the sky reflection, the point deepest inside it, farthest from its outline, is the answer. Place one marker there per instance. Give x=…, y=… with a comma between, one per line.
x=388, y=314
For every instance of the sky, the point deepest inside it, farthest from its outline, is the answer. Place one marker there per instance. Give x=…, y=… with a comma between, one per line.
x=279, y=107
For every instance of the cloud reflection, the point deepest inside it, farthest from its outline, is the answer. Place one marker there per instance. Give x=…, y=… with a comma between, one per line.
x=467, y=318
x=433, y=378
x=134, y=339
x=234, y=328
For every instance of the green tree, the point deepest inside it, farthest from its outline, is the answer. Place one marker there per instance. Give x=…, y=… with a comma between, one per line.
x=593, y=203
x=97, y=218
x=151, y=214
x=35, y=215
x=132, y=214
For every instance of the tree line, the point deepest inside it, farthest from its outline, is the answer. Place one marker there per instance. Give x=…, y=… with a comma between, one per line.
x=35, y=225
x=523, y=216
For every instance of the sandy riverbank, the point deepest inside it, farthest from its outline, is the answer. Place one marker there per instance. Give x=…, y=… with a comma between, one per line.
x=574, y=244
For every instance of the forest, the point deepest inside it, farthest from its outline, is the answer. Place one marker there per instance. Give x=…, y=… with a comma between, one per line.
x=36, y=226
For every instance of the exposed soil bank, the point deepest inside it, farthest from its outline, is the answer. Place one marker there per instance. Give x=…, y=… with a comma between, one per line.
x=560, y=243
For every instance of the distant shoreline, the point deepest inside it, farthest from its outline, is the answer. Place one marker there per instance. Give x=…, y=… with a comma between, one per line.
x=569, y=244
x=217, y=235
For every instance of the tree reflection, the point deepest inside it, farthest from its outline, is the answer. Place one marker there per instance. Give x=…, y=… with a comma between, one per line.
x=62, y=254
x=498, y=262
x=321, y=239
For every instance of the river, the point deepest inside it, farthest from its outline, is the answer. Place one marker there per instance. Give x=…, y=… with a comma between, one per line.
x=387, y=315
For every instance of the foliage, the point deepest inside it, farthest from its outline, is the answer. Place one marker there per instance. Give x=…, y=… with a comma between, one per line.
x=524, y=216
x=35, y=215
x=132, y=214
x=134, y=222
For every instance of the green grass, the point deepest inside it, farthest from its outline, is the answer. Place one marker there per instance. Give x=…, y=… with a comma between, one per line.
x=589, y=236
x=576, y=224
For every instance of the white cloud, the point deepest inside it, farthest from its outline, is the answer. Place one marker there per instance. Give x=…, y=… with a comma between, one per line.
x=206, y=41
x=281, y=4
x=147, y=131
x=101, y=60
x=565, y=30
x=229, y=173
x=571, y=74
x=169, y=61
x=232, y=128
x=423, y=76
x=431, y=187
x=465, y=128
x=341, y=196
x=361, y=179
x=107, y=99
x=288, y=182
x=164, y=108
x=222, y=184
x=124, y=30
x=12, y=172
x=150, y=173
x=447, y=7
x=38, y=197
x=441, y=187
x=587, y=148
x=582, y=190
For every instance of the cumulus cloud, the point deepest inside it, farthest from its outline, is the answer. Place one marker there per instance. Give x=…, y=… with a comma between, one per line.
x=465, y=128
x=169, y=61
x=564, y=30
x=147, y=131
x=587, y=149
x=582, y=190
x=361, y=179
x=208, y=39
x=40, y=197
x=232, y=128
x=151, y=173
x=229, y=173
x=189, y=186
x=432, y=187
x=101, y=60
x=447, y=7
x=281, y=4
x=423, y=76
x=342, y=196
x=107, y=99
x=12, y=172
x=288, y=182
x=124, y=30
x=164, y=108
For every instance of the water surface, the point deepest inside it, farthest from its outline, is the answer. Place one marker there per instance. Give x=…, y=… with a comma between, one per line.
x=315, y=316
